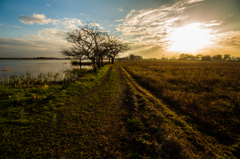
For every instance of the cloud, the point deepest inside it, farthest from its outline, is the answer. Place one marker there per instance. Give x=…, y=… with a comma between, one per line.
x=35, y=18
x=230, y=38
x=120, y=20
x=54, y=33
x=34, y=37
x=66, y=23
x=152, y=25
x=14, y=26
x=48, y=5
x=28, y=47
x=47, y=40
x=119, y=9
x=48, y=33
x=213, y=23
x=152, y=28
x=95, y=24
x=81, y=14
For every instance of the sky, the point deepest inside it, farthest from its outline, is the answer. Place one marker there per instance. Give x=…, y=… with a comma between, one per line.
x=154, y=28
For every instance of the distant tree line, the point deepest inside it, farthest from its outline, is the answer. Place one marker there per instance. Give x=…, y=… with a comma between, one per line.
x=207, y=57
x=94, y=43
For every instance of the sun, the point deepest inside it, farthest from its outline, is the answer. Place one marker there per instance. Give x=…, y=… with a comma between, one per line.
x=189, y=38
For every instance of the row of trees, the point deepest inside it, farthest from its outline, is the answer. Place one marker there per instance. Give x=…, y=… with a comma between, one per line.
x=204, y=57
x=94, y=43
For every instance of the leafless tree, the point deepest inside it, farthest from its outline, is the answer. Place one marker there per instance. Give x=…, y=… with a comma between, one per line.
x=116, y=47
x=94, y=43
x=85, y=41
x=72, y=52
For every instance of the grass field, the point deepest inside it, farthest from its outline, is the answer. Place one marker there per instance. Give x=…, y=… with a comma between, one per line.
x=138, y=109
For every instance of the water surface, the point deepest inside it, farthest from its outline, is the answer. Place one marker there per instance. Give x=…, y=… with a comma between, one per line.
x=34, y=67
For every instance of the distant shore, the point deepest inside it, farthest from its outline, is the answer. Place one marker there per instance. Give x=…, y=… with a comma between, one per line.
x=38, y=58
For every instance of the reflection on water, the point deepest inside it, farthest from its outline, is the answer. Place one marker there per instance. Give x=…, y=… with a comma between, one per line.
x=35, y=67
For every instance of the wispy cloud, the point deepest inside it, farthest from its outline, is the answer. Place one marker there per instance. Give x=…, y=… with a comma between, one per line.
x=34, y=37
x=151, y=28
x=229, y=38
x=119, y=9
x=48, y=33
x=67, y=23
x=48, y=5
x=61, y=27
x=213, y=23
x=35, y=18
x=81, y=14
x=14, y=26
x=26, y=47
x=152, y=25
x=120, y=20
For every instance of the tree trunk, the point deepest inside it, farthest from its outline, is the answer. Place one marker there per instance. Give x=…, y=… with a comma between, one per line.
x=112, y=60
x=80, y=63
x=101, y=61
x=94, y=66
x=98, y=64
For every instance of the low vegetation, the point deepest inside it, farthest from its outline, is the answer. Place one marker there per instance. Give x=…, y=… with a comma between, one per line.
x=133, y=109
x=204, y=94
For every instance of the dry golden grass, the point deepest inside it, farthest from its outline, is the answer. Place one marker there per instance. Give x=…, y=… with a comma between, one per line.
x=206, y=94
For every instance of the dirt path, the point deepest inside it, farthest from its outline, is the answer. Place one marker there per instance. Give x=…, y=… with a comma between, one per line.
x=172, y=133
x=117, y=118
x=91, y=126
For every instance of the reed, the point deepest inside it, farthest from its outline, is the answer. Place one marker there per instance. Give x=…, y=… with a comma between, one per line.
x=48, y=78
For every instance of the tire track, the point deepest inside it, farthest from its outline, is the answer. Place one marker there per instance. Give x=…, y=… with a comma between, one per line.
x=198, y=143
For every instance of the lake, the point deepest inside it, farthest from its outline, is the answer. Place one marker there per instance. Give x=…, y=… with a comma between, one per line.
x=34, y=67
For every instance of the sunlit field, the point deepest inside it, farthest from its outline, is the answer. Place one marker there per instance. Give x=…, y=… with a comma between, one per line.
x=206, y=94
x=131, y=109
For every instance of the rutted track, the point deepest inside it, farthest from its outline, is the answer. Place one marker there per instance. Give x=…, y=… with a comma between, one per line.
x=114, y=117
x=196, y=144
x=89, y=126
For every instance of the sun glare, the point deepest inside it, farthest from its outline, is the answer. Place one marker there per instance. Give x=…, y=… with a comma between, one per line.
x=190, y=38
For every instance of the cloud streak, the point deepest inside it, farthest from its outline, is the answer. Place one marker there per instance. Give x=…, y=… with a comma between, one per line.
x=35, y=18
x=119, y=9
x=152, y=28
x=28, y=47
x=67, y=23
x=14, y=26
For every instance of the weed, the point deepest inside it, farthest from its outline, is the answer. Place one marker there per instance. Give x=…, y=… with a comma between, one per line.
x=134, y=124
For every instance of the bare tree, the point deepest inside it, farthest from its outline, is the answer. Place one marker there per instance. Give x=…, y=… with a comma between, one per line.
x=72, y=52
x=85, y=41
x=117, y=47
x=94, y=43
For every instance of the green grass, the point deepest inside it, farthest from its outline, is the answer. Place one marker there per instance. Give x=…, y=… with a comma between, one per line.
x=145, y=109
x=22, y=115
